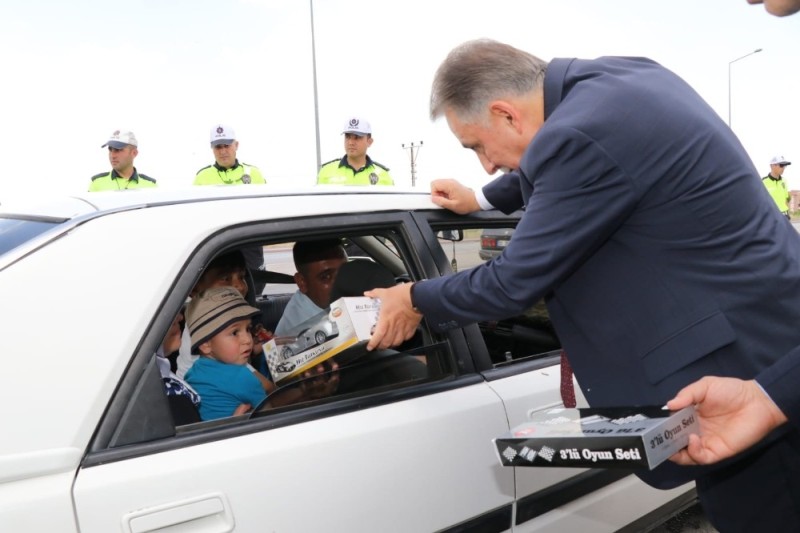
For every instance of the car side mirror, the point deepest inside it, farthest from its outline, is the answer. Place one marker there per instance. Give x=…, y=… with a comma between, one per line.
x=455, y=235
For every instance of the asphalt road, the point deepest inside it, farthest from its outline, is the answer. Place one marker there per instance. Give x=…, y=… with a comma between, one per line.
x=692, y=519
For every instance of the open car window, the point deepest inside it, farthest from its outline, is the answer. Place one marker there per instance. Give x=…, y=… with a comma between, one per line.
x=512, y=339
x=354, y=378
x=356, y=369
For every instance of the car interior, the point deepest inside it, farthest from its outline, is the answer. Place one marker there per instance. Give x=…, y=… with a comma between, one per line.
x=375, y=259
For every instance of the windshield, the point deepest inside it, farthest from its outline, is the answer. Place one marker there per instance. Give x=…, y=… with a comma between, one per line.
x=16, y=231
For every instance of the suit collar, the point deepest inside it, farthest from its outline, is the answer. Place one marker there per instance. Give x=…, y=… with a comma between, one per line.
x=554, y=84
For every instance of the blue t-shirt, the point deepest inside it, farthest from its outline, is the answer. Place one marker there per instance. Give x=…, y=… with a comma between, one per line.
x=223, y=387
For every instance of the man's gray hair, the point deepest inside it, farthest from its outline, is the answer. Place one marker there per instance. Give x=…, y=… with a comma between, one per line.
x=477, y=72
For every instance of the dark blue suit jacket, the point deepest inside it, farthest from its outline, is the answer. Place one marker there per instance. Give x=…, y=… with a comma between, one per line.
x=648, y=231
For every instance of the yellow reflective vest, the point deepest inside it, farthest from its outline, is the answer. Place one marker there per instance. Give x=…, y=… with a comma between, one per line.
x=238, y=174
x=777, y=189
x=339, y=172
x=112, y=181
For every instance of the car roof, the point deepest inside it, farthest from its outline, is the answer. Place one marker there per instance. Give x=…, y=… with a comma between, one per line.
x=65, y=212
x=71, y=206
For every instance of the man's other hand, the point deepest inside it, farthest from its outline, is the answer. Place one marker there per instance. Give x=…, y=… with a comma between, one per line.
x=733, y=414
x=452, y=195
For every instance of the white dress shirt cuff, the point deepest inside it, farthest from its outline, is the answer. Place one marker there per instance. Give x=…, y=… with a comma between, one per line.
x=482, y=201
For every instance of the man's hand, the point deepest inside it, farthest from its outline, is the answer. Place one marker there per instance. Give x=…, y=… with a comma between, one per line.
x=397, y=320
x=733, y=415
x=452, y=195
x=780, y=8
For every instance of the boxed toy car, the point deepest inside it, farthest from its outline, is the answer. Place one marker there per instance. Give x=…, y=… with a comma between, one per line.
x=345, y=323
x=629, y=437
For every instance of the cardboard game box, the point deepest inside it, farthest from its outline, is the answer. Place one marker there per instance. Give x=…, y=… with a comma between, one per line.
x=345, y=323
x=623, y=437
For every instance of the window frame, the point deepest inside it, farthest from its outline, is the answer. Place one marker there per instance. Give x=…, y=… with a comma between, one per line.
x=434, y=221
x=135, y=388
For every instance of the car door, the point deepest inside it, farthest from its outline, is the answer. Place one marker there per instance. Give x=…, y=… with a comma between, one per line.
x=412, y=456
x=520, y=359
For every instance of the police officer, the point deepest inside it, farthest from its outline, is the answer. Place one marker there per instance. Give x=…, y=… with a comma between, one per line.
x=775, y=184
x=226, y=170
x=122, y=150
x=356, y=167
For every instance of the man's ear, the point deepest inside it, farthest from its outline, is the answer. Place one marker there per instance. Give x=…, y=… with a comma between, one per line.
x=506, y=112
x=300, y=280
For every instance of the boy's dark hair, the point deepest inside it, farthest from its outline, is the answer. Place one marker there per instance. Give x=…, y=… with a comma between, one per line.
x=305, y=252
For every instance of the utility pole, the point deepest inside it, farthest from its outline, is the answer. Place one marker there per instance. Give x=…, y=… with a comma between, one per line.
x=413, y=151
x=314, y=69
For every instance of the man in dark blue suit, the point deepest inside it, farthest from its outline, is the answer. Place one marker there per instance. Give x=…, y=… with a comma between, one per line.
x=658, y=251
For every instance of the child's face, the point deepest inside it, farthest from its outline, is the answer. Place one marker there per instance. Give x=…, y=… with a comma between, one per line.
x=232, y=345
x=222, y=277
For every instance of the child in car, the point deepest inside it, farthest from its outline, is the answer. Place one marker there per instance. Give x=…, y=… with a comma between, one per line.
x=226, y=270
x=218, y=320
x=183, y=400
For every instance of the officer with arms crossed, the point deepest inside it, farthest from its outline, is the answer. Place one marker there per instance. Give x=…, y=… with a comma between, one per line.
x=356, y=167
x=122, y=150
x=226, y=170
x=775, y=184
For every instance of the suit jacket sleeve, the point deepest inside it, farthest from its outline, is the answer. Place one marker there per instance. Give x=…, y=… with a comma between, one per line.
x=505, y=193
x=580, y=198
x=780, y=382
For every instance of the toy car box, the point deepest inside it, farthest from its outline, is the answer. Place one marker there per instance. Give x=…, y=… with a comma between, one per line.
x=345, y=323
x=630, y=437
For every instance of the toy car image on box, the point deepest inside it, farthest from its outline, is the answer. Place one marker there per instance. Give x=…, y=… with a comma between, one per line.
x=622, y=437
x=347, y=322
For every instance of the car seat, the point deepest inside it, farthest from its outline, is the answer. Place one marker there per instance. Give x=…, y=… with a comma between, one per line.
x=359, y=275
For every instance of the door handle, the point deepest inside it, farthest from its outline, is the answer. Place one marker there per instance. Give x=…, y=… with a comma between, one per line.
x=209, y=513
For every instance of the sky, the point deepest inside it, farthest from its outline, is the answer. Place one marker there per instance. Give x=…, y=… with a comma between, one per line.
x=169, y=70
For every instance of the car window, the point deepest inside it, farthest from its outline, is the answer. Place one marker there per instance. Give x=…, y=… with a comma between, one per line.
x=511, y=339
x=361, y=377
x=421, y=358
x=16, y=231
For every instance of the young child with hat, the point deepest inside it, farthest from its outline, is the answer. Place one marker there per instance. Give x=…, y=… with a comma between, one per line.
x=228, y=269
x=218, y=320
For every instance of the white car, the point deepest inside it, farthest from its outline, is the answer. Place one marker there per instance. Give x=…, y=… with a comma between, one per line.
x=89, y=443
